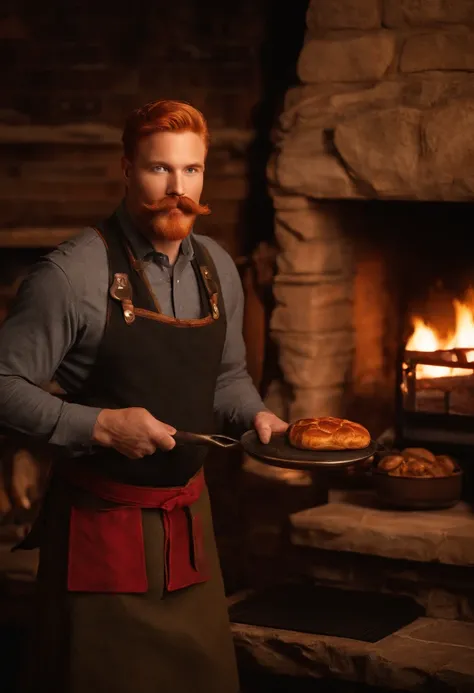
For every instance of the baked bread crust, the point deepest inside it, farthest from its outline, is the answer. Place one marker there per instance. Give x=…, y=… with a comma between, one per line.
x=328, y=433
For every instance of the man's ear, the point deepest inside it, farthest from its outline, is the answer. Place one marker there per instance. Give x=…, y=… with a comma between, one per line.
x=126, y=165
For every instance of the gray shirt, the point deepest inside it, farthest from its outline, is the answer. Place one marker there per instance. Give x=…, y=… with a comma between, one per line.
x=56, y=324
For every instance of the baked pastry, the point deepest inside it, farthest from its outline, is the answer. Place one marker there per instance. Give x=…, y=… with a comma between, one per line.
x=390, y=463
x=421, y=453
x=417, y=462
x=328, y=433
x=401, y=470
x=446, y=463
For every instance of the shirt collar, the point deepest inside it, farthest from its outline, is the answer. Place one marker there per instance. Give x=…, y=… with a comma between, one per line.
x=141, y=246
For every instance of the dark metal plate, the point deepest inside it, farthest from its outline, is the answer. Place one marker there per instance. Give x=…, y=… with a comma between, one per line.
x=279, y=453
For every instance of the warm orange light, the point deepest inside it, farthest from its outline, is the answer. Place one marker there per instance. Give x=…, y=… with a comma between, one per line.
x=425, y=338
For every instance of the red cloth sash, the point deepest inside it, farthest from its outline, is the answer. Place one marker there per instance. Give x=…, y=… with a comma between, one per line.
x=106, y=547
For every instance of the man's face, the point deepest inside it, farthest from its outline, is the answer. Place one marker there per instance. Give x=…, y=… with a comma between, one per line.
x=164, y=183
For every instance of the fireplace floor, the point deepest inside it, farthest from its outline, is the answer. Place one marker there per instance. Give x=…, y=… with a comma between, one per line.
x=324, y=610
x=429, y=654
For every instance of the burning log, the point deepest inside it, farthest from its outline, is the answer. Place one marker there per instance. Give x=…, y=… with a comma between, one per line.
x=459, y=357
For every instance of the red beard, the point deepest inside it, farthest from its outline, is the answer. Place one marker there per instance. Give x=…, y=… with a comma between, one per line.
x=167, y=223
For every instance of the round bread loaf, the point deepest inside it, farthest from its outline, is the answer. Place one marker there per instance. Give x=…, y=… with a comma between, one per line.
x=328, y=433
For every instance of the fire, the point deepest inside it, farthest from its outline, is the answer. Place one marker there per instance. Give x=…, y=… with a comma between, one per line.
x=425, y=338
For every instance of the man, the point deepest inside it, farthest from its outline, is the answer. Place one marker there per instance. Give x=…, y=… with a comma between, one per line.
x=139, y=321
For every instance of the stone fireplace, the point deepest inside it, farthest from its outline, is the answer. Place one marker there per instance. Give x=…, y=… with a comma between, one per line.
x=373, y=188
x=372, y=182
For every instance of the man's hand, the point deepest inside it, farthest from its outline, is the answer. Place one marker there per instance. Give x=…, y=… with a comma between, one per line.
x=26, y=478
x=133, y=432
x=266, y=423
x=22, y=476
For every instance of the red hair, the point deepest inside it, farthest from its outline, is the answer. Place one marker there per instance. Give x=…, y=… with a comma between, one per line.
x=162, y=116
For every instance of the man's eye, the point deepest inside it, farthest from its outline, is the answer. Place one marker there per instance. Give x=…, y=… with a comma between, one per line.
x=191, y=169
x=158, y=169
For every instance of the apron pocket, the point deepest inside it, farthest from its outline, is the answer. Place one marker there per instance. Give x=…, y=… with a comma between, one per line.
x=106, y=551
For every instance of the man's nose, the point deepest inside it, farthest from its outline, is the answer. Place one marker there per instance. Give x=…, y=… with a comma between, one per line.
x=175, y=185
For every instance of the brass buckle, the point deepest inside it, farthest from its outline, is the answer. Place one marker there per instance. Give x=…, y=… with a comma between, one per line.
x=121, y=290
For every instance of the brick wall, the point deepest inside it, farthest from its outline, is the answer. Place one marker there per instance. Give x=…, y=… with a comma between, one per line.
x=75, y=68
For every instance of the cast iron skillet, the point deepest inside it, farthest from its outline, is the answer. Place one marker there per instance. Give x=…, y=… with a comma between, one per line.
x=279, y=453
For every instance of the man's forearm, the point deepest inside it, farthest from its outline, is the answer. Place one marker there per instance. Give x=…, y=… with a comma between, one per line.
x=28, y=409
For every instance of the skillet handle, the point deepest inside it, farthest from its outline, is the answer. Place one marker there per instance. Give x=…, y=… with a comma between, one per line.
x=182, y=437
x=216, y=440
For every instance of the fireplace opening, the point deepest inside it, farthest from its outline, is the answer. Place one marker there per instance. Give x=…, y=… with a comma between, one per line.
x=413, y=267
x=413, y=320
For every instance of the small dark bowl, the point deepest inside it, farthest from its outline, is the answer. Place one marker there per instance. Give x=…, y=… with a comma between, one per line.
x=418, y=493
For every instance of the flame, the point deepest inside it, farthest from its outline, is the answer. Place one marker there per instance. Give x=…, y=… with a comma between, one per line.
x=425, y=338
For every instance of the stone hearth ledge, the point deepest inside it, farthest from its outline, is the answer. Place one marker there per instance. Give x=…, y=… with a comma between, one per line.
x=353, y=521
x=427, y=655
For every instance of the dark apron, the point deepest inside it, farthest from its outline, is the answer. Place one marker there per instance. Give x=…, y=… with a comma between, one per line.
x=157, y=641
